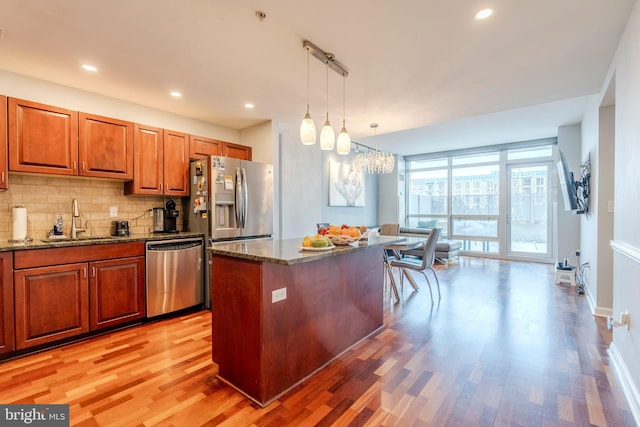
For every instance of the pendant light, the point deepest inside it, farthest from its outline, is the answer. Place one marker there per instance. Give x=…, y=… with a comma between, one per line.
x=327, y=136
x=308, y=127
x=344, y=140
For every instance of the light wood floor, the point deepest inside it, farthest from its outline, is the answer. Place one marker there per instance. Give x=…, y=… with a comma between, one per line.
x=504, y=347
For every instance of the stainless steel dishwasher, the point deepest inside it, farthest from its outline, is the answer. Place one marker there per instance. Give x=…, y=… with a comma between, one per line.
x=174, y=275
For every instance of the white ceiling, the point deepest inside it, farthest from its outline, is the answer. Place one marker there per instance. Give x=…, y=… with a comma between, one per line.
x=430, y=74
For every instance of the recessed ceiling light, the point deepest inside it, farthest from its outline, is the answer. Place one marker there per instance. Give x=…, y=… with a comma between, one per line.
x=88, y=67
x=176, y=94
x=249, y=105
x=484, y=14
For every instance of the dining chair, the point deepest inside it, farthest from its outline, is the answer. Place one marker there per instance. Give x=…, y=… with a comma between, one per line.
x=428, y=258
x=389, y=230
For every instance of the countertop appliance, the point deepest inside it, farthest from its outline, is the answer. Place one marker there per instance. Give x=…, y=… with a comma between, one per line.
x=231, y=198
x=165, y=218
x=119, y=228
x=170, y=216
x=174, y=276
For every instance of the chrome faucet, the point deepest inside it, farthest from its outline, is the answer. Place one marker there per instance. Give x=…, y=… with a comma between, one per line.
x=75, y=214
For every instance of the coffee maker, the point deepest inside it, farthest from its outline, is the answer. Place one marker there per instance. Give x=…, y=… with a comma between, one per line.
x=164, y=219
x=170, y=216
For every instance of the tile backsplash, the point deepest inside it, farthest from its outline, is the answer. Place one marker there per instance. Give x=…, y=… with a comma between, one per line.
x=46, y=197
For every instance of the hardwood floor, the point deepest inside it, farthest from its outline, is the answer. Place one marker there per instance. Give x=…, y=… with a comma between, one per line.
x=503, y=347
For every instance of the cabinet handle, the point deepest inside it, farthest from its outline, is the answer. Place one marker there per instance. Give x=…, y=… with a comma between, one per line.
x=3, y=177
x=161, y=187
x=74, y=165
x=166, y=186
x=84, y=272
x=93, y=272
x=82, y=166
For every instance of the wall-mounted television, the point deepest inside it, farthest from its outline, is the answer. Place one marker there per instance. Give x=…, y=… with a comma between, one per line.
x=567, y=185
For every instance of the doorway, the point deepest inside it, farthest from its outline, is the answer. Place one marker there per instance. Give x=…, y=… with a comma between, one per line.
x=528, y=226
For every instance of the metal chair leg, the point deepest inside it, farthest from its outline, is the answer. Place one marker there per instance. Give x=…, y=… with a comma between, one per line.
x=428, y=284
x=437, y=281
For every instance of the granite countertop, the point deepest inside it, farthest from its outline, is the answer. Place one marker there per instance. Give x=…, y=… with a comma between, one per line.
x=289, y=251
x=92, y=240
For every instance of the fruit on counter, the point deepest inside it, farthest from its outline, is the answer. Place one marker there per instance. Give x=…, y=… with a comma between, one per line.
x=346, y=230
x=317, y=241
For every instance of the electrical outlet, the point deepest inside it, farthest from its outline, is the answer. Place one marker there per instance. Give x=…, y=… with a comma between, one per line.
x=113, y=212
x=278, y=295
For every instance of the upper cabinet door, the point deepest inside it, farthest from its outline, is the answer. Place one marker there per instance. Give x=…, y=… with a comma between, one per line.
x=42, y=138
x=200, y=147
x=147, y=161
x=176, y=163
x=4, y=175
x=105, y=147
x=237, y=151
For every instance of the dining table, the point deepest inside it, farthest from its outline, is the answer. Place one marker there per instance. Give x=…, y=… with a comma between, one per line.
x=396, y=249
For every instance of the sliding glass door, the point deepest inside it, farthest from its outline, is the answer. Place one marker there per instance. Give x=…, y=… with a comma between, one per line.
x=528, y=231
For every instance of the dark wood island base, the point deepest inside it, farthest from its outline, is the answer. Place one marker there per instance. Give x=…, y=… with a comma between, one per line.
x=277, y=321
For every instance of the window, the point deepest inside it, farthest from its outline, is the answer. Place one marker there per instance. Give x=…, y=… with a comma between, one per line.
x=462, y=193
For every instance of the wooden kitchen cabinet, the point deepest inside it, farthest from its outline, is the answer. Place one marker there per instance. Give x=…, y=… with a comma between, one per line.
x=105, y=147
x=51, y=303
x=237, y=151
x=42, y=138
x=116, y=292
x=161, y=166
x=4, y=172
x=65, y=292
x=176, y=163
x=7, y=343
x=200, y=147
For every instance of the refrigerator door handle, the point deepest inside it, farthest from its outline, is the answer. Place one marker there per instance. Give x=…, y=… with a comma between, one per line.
x=245, y=202
x=238, y=199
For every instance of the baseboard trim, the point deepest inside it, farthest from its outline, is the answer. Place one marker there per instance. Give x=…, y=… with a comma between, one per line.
x=595, y=310
x=628, y=387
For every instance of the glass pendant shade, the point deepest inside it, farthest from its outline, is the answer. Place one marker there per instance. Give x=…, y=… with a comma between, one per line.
x=344, y=142
x=327, y=136
x=308, y=130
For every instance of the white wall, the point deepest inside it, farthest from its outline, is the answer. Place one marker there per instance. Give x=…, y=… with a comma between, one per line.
x=389, y=197
x=261, y=138
x=626, y=259
x=568, y=223
x=603, y=179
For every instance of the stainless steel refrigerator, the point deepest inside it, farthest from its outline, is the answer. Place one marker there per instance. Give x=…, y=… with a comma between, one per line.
x=231, y=198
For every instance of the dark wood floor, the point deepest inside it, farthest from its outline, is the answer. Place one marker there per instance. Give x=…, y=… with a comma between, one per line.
x=504, y=347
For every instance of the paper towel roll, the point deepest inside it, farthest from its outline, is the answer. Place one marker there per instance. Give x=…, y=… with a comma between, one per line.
x=19, y=223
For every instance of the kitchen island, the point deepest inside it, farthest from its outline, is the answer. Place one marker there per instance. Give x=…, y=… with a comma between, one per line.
x=280, y=313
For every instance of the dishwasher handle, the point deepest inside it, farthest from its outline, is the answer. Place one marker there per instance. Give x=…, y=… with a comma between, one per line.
x=166, y=247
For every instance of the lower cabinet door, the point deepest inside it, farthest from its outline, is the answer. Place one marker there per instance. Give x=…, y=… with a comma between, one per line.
x=7, y=342
x=51, y=303
x=116, y=292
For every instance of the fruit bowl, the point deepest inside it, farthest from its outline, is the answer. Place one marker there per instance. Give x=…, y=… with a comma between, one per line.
x=341, y=239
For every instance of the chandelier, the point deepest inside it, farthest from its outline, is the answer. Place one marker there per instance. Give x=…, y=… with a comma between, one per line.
x=374, y=161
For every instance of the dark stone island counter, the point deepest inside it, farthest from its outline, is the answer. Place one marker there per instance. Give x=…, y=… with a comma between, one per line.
x=280, y=314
